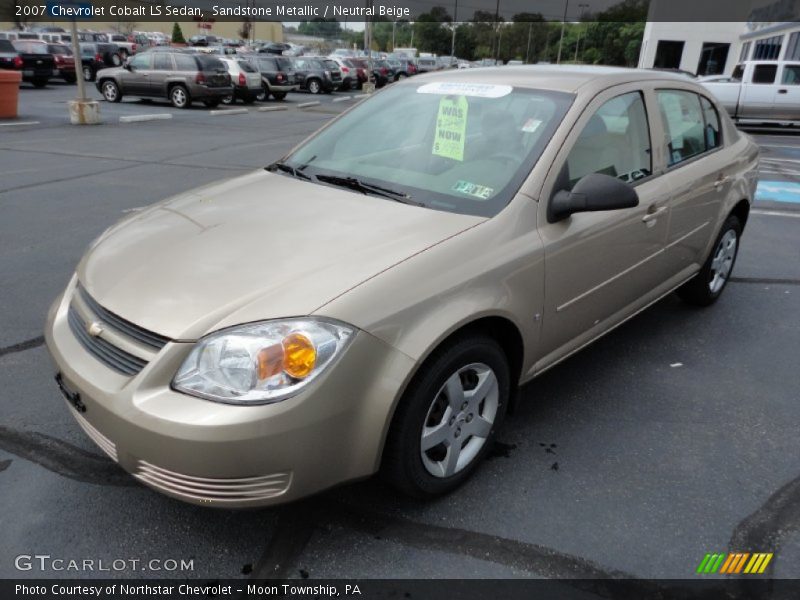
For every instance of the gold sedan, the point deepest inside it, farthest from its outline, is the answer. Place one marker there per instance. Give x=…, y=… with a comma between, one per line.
x=373, y=300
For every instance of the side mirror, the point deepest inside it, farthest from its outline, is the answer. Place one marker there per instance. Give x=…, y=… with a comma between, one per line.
x=592, y=193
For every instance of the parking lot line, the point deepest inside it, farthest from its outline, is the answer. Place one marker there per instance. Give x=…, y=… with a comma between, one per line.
x=229, y=111
x=778, y=191
x=19, y=124
x=141, y=118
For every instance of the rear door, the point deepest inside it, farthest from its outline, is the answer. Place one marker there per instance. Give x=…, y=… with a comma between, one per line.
x=757, y=99
x=696, y=171
x=787, y=95
x=163, y=70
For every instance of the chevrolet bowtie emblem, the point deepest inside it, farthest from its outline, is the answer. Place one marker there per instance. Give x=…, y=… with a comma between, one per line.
x=94, y=329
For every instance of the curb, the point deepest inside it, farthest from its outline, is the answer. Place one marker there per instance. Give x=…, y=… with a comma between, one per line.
x=308, y=104
x=228, y=111
x=272, y=108
x=342, y=99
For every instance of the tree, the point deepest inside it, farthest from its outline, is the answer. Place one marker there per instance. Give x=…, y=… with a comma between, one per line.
x=177, y=35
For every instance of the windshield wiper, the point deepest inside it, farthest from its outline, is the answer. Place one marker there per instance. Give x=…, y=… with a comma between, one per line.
x=357, y=185
x=282, y=166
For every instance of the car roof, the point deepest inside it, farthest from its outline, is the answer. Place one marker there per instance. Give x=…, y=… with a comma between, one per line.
x=565, y=78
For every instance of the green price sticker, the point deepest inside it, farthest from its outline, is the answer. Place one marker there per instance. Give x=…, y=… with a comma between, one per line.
x=451, y=128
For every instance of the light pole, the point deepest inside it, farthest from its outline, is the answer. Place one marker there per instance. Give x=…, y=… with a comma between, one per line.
x=528, y=51
x=455, y=21
x=563, y=25
x=583, y=8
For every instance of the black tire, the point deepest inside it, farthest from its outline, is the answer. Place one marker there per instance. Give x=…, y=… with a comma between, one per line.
x=39, y=83
x=70, y=78
x=279, y=95
x=314, y=86
x=228, y=100
x=179, y=96
x=700, y=289
x=110, y=91
x=263, y=95
x=123, y=54
x=88, y=73
x=249, y=99
x=211, y=103
x=403, y=465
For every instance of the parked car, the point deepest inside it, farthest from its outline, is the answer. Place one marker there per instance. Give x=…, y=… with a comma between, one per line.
x=312, y=75
x=255, y=352
x=37, y=62
x=349, y=73
x=56, y=38
x=426, y=64
x=18, y=35
x=277, y=75
x=10, y=59
x=180, y=77
x=275, y=48
x=246, y=81
x=96, y=56
x=126, y=48
x=402, y=68
x=64, y=62
x=383, y=72
x=337, y=78
x=760, y=91
x=203, y=40
x=363, y=74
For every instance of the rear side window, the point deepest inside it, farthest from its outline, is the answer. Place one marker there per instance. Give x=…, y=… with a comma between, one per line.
x=764, y=74
x=246, y=66
x=791, y=75
x=267, y=64
x=712, y=124
x=185, y=63
x=209, y=63
x=615, y=141
x=162, y=62
x=683, y=119
x=285, y=64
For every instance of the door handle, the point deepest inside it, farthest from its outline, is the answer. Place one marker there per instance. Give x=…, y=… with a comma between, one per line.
x=722, y=179
x=653, y=213
x=782, y=91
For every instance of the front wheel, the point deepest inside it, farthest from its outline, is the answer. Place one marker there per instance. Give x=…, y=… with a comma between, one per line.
x=314, y=86
x=111, y=91
x=446, y=421
x=706, y=287
x=179, y=97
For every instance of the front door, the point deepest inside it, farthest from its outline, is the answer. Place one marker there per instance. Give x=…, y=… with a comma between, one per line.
x=787, y=94
x=757, y=96
x=136, y=81
x=599, y=266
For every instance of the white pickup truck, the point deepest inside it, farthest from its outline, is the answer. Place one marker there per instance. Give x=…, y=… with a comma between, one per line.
x=759, y=91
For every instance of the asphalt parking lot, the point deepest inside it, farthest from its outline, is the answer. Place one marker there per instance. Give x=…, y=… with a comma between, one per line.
x=673, y=436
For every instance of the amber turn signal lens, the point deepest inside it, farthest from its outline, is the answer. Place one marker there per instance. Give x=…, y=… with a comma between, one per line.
x=269, y=361
x=299, y=355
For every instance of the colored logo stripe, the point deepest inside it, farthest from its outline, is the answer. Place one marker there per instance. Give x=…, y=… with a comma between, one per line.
x=735, y=563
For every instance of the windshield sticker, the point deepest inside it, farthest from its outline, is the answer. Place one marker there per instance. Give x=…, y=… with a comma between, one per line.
x=473, y=189
x=451, y=128
x=531, y=125
x=456, y=88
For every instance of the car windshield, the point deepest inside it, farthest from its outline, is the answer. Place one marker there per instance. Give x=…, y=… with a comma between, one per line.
x=451, y=146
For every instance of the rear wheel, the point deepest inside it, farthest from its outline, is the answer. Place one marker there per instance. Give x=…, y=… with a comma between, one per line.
x=88, y=73
x=314, y=86
x=179, y=97
x=263, y=94
x=706, y=287
x=279, y=95
x=111, y=91
x=228, y=100
x=446, y=421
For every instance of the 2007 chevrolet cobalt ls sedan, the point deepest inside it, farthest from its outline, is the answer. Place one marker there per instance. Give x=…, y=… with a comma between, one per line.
x=373, y=300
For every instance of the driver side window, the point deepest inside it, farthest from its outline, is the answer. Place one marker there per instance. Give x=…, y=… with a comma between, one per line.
x=141, y=61
x=615, y=141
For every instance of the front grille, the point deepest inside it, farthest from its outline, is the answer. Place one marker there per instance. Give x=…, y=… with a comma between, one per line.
x=235, y=490
x=148, y=338
x=115, y=358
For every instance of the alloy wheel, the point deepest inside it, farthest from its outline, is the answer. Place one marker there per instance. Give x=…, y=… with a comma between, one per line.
x=87, y=74
x=313, y=87
x=179, y=97
x=459, y=420
x=110, y=91
x=722, y=263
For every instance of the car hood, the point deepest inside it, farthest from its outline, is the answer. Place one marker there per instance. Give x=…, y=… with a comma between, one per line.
x=261, y=246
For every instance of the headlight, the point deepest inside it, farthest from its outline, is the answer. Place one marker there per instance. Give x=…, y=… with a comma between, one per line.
x=261, y=362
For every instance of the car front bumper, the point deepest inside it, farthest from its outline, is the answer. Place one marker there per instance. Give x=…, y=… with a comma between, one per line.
x=225, y=455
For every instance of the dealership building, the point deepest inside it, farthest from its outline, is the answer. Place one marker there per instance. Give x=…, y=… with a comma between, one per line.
x=771, y=32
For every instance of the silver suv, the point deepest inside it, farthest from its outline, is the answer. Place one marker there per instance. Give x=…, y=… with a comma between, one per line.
x=178, y=76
